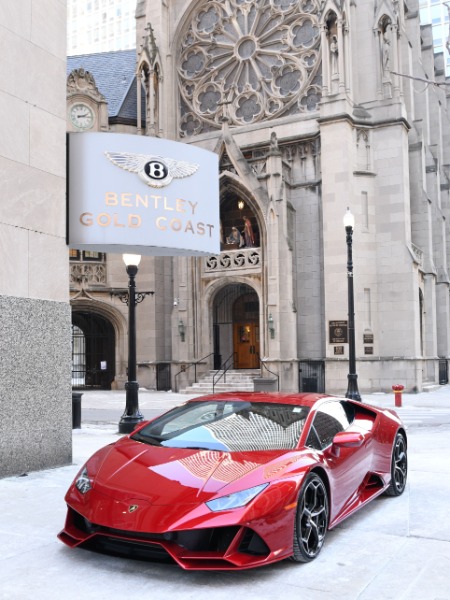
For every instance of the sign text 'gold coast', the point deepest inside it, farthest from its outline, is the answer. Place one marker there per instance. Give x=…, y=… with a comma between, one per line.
x=177, y=215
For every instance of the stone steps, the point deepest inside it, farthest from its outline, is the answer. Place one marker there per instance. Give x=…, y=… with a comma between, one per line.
x=234, y=381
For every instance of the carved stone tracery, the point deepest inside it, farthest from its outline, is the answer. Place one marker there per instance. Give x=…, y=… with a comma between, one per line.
x=81, y=81
x=249, y=60
x=90, y=274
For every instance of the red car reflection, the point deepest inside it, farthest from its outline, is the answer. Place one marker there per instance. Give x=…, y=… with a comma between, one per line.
x=236, y=480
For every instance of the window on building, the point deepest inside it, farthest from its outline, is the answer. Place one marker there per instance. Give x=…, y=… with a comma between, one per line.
x=86, y=255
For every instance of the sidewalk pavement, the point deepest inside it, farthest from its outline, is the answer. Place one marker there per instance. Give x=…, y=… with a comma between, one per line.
x=395, y=548
x=163, y=401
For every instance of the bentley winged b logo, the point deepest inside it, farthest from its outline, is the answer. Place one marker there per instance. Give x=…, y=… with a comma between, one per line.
x=155, y=171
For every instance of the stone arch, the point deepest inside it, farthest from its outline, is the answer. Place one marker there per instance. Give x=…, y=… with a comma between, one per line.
x=386, y=32
x=335, y=50
x=234, y=309
x=363, y=149
x=118, y=324
x=233, y=192
x=149, y=76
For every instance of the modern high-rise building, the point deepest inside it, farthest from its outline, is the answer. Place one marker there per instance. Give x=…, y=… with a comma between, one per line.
x=100, y=26
x=436, y=13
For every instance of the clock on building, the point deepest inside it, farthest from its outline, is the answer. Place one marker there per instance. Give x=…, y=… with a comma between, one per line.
x=81, y=116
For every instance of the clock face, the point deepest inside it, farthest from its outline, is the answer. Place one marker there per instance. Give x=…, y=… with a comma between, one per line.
x=81, y=116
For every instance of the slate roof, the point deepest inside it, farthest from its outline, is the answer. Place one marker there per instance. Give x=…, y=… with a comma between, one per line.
x=114, y=74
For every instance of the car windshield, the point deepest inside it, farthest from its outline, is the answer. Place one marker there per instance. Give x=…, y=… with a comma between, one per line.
x=227, y=426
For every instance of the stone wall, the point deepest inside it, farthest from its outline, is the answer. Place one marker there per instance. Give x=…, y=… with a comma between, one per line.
x=35, y=354
x=35, y=407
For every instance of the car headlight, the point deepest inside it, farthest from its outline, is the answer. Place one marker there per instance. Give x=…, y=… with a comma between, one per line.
x=236, y=500
x=83, y=482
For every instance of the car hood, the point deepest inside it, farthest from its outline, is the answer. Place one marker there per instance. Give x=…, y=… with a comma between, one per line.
x=167, y=476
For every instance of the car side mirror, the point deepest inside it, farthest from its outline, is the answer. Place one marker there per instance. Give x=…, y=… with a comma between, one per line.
x=345, y=439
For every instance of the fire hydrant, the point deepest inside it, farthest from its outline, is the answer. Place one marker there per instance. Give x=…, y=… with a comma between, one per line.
x=398, y=389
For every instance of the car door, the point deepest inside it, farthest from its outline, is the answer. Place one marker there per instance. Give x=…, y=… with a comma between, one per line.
x=347, y=467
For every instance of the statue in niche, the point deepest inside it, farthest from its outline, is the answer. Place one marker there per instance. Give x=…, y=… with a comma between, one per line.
x=274, y=149
x=273, y=142
x=249, y=237
x=156, y=99
x=235, y=237
x=386, y=55
x=334, y=52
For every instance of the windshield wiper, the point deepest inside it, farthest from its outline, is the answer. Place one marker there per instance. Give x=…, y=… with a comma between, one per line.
x=153, y=440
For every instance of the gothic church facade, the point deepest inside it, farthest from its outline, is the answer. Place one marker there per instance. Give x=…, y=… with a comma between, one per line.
x=313, y=106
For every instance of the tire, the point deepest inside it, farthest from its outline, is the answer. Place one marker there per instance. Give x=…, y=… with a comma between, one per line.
x=399, y=467
x=311, y=520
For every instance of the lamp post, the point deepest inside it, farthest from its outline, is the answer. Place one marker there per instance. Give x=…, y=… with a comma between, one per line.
x=352, y=387
x=132, y=415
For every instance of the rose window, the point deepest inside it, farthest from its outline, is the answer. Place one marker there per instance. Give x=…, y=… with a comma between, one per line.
x=249, y=60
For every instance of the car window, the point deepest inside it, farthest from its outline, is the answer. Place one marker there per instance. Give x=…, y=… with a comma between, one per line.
x=330, y=419
x=227, y=426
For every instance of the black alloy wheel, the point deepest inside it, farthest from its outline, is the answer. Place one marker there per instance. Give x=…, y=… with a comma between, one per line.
x=311, y=520
x=399, y=466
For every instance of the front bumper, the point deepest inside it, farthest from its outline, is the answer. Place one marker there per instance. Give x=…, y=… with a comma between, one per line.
x=191, y=535
x=217, y=548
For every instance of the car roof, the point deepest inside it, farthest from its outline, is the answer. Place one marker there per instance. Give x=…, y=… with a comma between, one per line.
x=300, y=399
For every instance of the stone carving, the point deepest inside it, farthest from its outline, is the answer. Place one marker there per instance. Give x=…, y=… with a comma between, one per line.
x=243, y=259
x=334, y=57
x=261, y=57
x=90, y=274
x=362, y=149
x=386, y=54
x=80, y=81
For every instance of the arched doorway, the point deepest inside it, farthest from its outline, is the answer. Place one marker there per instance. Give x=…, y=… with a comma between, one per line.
x=236, y=327
x=93, y=351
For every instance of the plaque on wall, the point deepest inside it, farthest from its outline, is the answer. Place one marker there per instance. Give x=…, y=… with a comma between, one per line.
x=368, y=338
x=338, y=331
x=339, y=350
x=368, y=350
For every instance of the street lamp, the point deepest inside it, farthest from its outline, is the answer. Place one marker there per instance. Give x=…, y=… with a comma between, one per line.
x=132, y=415
x=352, y=388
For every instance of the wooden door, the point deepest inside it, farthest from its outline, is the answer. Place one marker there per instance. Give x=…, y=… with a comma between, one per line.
x=246, y=345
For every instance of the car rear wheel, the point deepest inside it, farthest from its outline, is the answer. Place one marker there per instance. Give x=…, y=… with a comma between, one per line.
x=399, y=467
x=311, y=520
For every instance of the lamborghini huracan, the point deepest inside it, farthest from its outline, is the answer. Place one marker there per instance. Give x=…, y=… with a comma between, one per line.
x=236, y=480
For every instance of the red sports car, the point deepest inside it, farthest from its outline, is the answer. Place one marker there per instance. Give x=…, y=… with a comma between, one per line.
x=236, y=480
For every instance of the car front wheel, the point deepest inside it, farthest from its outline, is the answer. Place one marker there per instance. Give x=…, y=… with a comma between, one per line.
x=311, y=520
x=399, y=467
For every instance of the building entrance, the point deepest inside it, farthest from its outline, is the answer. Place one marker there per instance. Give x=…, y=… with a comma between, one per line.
x=246, y=345
x=236, y=327
x=93, y=357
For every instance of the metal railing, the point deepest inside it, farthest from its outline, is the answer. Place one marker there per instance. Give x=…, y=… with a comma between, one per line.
x=222, y=371
x=311, y=376
x=186, y=368
x=277, y=377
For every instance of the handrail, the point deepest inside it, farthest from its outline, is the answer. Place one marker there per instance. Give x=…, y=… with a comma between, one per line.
x=194, y=364
x=271, y=372
x=224, y=368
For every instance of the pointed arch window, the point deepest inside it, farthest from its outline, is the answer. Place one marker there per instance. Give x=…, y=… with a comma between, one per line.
x=238, y=224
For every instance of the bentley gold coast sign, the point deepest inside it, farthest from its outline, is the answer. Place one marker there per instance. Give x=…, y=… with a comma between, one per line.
x=143, y=195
